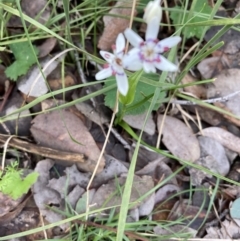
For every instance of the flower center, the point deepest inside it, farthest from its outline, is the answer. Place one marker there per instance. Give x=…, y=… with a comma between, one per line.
x=118, y=61
x=147, y=52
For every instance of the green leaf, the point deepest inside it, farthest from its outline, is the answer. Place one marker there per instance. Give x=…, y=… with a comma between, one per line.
x=13, y=185
x=141, y=100
x=199, y=9
x=24, y=59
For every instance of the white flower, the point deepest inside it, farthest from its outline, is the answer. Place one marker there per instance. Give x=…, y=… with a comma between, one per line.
x=114, y=66
x=153, y=9
x=147, y=54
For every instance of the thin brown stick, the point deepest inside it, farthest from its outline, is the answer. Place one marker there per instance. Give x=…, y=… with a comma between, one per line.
x=42, y=151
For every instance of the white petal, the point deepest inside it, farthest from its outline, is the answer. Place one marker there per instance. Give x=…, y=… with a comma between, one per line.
x=109, y=57
x=120, y=43
x=149, y=67
x=133, y=38
x=122, y=83
x=167, y=43
x=104, y=73
x=152, y=10
x=165, y=65
x=132, y=61
x=152, y=29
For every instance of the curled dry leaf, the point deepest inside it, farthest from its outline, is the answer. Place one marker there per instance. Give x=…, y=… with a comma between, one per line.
x=179, y=139
x=66, y=132
x=114, y=24
x=224, y=137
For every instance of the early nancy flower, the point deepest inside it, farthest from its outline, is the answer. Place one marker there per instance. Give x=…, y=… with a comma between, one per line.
x=153, y=9
x=147, y=54
x=115, y=65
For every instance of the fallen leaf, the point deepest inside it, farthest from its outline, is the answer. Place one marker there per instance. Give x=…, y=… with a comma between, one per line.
x=179, y=139
x=224, y=137
x=177, y=230
x=191, y=216
x=165, y=192
x=114, y=24
x=73, y=177
x=113, y=168
x=109, y=194
x=196, y=90
x=137, y=121
x=65, y=131
x=210, y=67
x=56, y=82
x=228, y=231
x=33, y=83
x=227, y=82
x=158, y=170
x=38, y=9
x=213, y=157
x=210, y=116
x=46, y=47
x=45, y=196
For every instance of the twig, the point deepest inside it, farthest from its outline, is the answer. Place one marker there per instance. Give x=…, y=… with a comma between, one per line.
x=17, y=143
x=210, y=101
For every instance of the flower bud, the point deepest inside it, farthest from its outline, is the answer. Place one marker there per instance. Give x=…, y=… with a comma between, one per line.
x=153, y=9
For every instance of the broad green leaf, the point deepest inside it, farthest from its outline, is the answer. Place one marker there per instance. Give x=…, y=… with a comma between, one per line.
x=24, y=59
x=200, y=11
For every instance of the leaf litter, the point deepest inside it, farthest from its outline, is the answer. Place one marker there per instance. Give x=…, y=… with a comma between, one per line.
x=158, y=193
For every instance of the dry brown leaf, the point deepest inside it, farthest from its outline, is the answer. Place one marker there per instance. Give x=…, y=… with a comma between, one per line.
x=228, y=117
x=38, y=9
x=208, y=115
x=213, y=157
x=212, y=66
x=227, y=83
x=46, y=47
x=115, y=25
x=224, y=137
x=64, y=131
x=108, y=195
x=137, y=121
x=179, y=139
x=196, y=90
